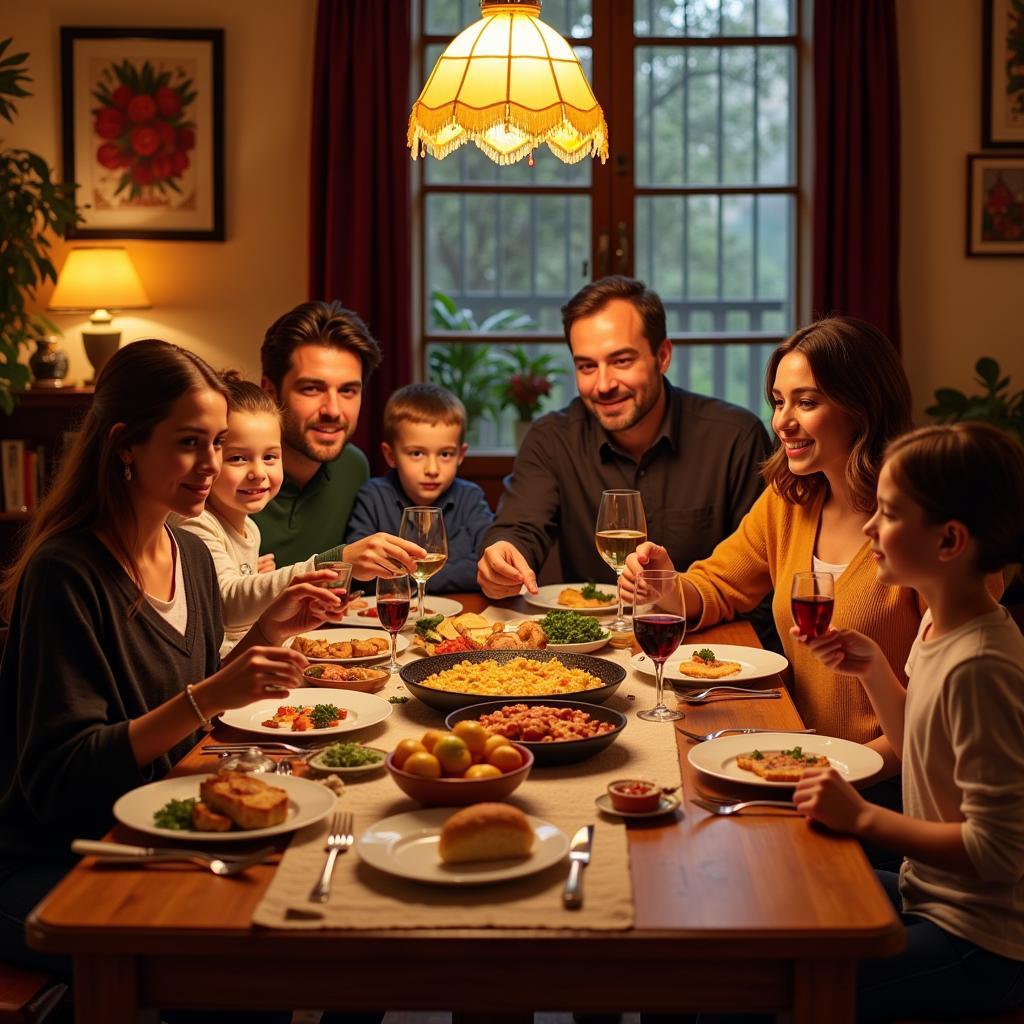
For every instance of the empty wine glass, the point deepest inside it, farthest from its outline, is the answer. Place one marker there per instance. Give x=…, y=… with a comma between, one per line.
x=393, y=596
x=659, y=634
x=621, y=526
x=812, y=599
x=424, y=525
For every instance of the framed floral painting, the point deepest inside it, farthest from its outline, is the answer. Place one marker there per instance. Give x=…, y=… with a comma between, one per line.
x=143, y=124
x=995, y=205
x=1002, y=112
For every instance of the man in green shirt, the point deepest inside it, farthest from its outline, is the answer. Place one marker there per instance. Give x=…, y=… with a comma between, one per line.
x=316, y=360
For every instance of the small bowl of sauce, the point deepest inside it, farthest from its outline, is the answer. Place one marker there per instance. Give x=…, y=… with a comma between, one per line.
x=636, y=796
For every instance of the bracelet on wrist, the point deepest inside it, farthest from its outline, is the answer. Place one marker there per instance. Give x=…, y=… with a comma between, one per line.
x=207, y=725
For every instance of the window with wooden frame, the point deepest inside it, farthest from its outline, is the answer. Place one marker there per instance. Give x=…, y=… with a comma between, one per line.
x=699, y=198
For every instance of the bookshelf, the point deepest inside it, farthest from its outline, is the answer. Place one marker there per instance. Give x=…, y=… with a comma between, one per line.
x=40, y=420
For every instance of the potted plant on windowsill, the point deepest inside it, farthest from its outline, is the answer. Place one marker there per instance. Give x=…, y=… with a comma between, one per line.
x=529, y=382
x=32, y=206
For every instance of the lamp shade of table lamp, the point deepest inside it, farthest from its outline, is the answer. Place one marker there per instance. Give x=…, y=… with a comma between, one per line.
x=508, y=83
x=98, y=279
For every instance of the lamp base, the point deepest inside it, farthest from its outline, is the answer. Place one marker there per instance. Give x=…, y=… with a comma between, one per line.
x=100, y=346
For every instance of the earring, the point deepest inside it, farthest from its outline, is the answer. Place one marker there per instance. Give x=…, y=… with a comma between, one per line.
x=127, y=471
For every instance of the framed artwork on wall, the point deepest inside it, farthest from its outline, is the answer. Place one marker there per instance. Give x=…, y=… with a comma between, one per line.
x=995, y=205
x=1002, y=114
x=143, y=129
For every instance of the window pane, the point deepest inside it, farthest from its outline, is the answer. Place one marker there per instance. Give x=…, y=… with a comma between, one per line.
x=734, y=373
x=450, y=17
x=501, y=255
x=719, y=263
x=476, y=372
x=713, y=115
x=712, y=17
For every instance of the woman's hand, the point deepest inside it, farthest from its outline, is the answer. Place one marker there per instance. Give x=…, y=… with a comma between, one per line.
x=266, y=563
x=381, y=554
x=843, y=650
x=301, y=606
x=255, y=673
x=647, y=556
x=824, y=795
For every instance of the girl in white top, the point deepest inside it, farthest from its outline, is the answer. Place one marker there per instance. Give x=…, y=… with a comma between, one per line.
x=949, y=513
x=250, y=476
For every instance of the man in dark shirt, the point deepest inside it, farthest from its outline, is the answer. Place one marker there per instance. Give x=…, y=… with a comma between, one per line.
x=693, y=459
x=316, y=359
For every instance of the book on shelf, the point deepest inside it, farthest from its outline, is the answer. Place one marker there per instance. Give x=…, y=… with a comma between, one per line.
x=12, y=471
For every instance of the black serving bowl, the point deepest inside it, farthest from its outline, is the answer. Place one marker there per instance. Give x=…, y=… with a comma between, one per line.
x=415, y=672
x=555, y=752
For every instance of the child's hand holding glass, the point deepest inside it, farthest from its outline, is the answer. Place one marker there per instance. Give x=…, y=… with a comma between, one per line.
x=844, y=651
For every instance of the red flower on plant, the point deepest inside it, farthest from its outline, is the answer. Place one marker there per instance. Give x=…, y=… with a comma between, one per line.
x=144, y=122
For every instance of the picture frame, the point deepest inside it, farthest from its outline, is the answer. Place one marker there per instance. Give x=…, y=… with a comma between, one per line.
x=143, y=131
x=1002, y=113
x=995, y=204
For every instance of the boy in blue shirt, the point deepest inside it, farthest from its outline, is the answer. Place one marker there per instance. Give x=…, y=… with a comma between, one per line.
x=424, y=430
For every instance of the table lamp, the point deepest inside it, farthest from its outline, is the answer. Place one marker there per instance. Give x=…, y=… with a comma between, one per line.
x=98, y=279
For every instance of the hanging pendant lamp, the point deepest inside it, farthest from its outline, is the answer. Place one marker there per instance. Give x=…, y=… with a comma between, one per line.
x=508, y=83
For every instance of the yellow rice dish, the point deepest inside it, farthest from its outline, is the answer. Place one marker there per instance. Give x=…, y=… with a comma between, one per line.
x=520, y=677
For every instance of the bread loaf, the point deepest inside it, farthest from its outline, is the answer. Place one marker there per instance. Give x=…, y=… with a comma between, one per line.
x=247, y=800
x=485, y=832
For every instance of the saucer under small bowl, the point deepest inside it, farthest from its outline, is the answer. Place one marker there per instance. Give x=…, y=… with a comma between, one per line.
x=668, y=803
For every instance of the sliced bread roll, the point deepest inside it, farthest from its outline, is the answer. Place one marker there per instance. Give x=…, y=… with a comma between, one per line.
x=485, y=832
x=247, y=800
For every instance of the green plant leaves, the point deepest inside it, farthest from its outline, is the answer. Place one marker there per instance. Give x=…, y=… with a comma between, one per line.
x=996, y=406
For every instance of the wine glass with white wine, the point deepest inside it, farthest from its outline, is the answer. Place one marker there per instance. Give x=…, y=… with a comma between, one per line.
x=424, y=525
x=621, y=526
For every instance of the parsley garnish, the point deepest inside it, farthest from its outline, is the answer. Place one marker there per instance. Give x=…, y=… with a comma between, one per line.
x=705, y=654
x=323, y=714
x=176, y=814
x=757, y=756
x=591, y=593
x=397, y=700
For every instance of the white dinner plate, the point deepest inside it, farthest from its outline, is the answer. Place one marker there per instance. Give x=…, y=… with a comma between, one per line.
x=337, y=636
x=364, y=709
x=406, y=845
x=755, y=664
x=547, y=597
x=668, y=803
x=307, y=802
x=718, y=757
x=431, y=606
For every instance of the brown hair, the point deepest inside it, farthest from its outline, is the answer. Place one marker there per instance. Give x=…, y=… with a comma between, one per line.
x=593, y=297
x=247, y=396
x=316, y=323
x=858, y=369
x=970, y=472
x=423, y=403
x=135, y=389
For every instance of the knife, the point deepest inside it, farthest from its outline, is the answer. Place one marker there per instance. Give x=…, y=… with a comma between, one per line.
x=579, y=858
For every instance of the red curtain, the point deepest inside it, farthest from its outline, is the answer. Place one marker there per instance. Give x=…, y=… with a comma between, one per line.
x=359, y=195
x=857, y=162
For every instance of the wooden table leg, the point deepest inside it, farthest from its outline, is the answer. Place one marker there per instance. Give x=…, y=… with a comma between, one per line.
x=107, y=989
x=824, y=990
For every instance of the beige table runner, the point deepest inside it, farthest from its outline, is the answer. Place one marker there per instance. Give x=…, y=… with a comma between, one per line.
x=363, y=897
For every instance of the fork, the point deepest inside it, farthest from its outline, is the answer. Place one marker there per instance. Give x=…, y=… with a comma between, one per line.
x=699, y=738
x=724, y=810
x=339, y=840
x=711, y=691
x=219, y=864
x=273, y=747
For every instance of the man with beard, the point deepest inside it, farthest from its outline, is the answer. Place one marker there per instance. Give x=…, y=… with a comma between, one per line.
x=693, y=459
x=316, y=360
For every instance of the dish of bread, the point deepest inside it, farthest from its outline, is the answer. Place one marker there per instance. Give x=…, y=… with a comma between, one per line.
x=476, y=845
x=776, y=760
x=472, y=632
x=225, y=806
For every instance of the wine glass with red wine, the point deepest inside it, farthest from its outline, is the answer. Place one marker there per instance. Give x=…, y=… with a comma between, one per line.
x=813, y=598
x=659, y=634
x=393, y=596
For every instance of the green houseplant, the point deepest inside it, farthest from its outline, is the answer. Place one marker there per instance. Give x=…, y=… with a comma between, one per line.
x=32, y=206
x=997, y=404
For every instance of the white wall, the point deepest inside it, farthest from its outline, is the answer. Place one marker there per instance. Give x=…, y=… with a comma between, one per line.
x=955, y=309
x=216, y=298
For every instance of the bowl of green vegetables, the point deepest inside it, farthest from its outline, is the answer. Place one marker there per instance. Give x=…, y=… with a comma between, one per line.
x=347, y=759
x=573, y=632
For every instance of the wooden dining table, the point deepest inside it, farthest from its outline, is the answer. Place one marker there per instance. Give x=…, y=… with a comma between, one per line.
x=748, y=913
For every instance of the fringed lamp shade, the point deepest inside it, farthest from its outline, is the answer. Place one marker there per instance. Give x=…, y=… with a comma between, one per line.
x=508, y=83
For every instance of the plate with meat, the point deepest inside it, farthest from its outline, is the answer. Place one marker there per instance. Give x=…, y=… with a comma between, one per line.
x=589, y=598
x=700, y=665
x=351, y=646
x=778, y=759
x=313, y=713
x=363, y=610
x=225, y=807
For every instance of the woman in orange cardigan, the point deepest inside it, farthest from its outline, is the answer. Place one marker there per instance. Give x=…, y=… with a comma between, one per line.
x=839, y=395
